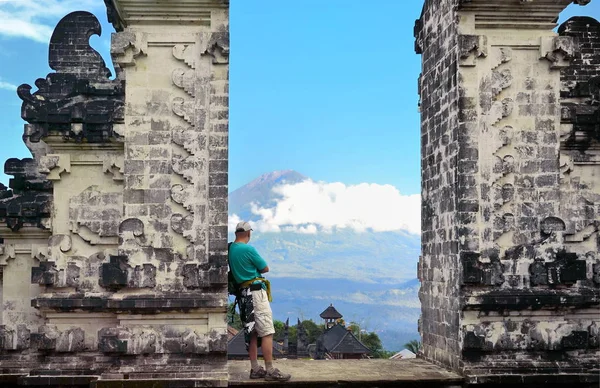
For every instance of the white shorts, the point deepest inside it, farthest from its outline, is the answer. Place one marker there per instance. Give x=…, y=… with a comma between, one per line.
x=263, y=316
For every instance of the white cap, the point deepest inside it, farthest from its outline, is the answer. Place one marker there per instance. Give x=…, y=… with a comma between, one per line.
x=243, y=227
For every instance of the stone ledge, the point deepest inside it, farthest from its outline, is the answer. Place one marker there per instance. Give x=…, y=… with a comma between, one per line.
x=535, y=299
x=350, y=373
x=547, y=380
x=134, y=303
x=516, y=14
x=9, y=380
x=56, y=381
x=191, y=12
x=158, y=383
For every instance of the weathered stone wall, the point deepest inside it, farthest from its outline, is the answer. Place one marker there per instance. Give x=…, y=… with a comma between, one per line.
x=527, y=194
x=73, y=133
x=439, y=265
x=115, y=233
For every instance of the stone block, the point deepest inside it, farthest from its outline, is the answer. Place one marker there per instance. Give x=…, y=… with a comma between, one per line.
x=113, y=275
x=15, y=338
x=575, y=340
x=109, y=341
x=192, y=277
x=143, y=342
x=49, y=338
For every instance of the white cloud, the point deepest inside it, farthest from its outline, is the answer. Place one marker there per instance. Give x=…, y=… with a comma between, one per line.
x=232, y=222
x=36, y=19
x=7, y=86
x=309, y=207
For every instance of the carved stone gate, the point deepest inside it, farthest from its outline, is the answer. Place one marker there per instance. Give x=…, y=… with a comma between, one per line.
x=510, y=139
x=115, y=233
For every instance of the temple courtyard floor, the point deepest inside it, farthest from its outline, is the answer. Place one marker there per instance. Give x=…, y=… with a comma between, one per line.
x=305, y=373
x=351, y=373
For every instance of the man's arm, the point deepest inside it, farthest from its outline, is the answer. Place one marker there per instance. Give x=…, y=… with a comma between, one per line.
x=258, y=261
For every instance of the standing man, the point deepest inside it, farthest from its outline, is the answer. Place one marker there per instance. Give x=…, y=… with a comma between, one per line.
x=255, y=311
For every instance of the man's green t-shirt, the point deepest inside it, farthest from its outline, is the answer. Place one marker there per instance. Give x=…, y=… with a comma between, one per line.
x=245, y=262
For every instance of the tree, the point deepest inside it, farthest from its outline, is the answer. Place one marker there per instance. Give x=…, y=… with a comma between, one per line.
x=372, y=341
x=354, y=328
x=313, y=330
x=279, y=329
x=414, y=346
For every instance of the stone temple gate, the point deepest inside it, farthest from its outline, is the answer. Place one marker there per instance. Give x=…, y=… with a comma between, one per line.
x=510, y=138
x=113, y=259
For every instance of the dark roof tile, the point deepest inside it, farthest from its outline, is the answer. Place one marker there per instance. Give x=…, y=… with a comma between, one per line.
x=338, y=339
x=330, y=313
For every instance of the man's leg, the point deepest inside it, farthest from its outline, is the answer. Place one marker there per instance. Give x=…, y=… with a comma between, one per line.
x=267, y=348
x=253, y=347
x=256, y=372
x=263, y=318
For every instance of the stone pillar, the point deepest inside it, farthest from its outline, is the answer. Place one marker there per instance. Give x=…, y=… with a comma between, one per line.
x=438, y=268
x=174, y=60
x=511, y=191
x=114, y=254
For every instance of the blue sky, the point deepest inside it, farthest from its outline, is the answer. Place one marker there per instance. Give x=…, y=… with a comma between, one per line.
x=326, y=88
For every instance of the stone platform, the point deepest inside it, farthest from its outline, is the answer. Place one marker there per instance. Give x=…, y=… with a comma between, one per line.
x=351, y=373
x=305, y=373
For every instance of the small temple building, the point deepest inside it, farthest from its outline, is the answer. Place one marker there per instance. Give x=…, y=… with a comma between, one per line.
x=338, y=342
x=330, y=315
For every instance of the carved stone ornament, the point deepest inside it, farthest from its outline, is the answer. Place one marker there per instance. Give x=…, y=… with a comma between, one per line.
x=127, y=47
x=28, y=201
x=558, y=50
x=216, y=45
x=476, y=272
x=472, y=47
x=78, y=101
x=565, y=269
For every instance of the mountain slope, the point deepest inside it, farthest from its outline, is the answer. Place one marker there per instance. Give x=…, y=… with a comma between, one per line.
x=369, y=276
x=260, y=191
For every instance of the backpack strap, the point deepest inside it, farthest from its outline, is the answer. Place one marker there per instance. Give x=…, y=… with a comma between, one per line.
x=228, y=262
x=235, y=302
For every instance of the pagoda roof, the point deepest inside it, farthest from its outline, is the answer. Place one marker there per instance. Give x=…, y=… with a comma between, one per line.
x=338, y=339
x=330, y=313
